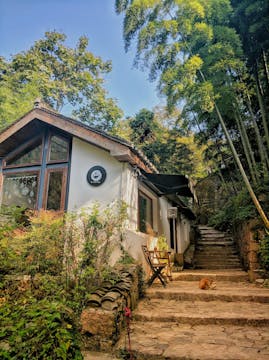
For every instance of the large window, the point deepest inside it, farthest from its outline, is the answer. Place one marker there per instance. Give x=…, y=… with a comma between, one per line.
x=59, y=149
x=145, y=217
x=21, y=189
x=29, y=155
x=55, y=189
x=35, y=175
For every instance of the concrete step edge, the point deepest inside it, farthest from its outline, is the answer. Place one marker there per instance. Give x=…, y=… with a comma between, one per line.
x=202, y=320
x=209, y=296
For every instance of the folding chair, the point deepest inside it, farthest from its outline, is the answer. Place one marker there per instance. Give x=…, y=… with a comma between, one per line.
x=155, y=264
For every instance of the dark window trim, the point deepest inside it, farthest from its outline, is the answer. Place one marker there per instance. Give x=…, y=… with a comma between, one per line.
x=141, y=193
x=42, y=167
x=67, y=140
x=19, y=150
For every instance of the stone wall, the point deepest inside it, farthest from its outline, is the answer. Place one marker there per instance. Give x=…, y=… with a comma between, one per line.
x=247, y=237
x=103, y=318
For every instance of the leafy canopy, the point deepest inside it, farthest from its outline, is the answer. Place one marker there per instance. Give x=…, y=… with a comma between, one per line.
x=60, y=75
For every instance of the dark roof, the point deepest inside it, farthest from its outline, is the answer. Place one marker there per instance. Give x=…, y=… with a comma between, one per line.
x=105, y=134
x=116, y=139
x=169, y=184
x=172, y=187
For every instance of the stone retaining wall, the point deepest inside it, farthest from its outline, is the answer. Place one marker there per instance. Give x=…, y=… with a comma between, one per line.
x=247, y=236
x=103, y=318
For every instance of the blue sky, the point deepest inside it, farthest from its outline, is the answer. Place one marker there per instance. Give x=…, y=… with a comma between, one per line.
x=24, y=21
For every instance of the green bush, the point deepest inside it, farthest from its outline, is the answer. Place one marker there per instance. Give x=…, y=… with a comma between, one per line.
x=46, y=282
x=32, y=329
x=264, y=252
x=237, y=209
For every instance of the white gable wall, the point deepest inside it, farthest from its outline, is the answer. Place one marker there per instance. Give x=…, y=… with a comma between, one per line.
x=81, y=193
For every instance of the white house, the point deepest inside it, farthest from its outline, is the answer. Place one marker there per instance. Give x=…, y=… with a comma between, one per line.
x=54, y=162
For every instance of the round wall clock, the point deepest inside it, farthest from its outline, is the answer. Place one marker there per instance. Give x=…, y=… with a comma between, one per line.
x=96, y=175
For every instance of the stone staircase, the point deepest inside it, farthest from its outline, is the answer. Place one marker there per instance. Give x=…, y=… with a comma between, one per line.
x=183, y=322
x=215, y=250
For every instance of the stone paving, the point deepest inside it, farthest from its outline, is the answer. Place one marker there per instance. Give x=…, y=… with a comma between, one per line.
x=165, y=340
x=94, y=355
x=183, y=322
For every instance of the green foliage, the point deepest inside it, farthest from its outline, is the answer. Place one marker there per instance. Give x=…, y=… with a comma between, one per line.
x=99, y=231
x=59, y=75
x=237, y=209
x=162, y=243
x=197, y=56
x=42, y=329
x=35, y=249
x=264, y=252
x=126, y=258
x=167, y=143
x=50, y=266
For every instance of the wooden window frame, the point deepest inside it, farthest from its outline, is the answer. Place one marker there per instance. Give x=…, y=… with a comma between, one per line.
x=64, y=170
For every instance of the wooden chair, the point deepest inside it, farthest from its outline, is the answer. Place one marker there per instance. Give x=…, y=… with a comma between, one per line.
x=158, y=262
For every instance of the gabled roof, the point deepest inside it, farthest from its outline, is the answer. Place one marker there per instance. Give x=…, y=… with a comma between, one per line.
x=31, y=123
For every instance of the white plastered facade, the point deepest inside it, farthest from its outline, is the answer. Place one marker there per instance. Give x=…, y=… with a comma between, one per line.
x=121, y=184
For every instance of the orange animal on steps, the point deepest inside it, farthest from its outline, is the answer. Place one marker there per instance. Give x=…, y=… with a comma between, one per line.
x=206, y=284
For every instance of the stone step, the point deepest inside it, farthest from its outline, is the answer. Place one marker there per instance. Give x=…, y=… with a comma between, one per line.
x=218, y=275
x=96, y=355
x=181, y=321
x=219, y=254
x=225, y=291
x=217, y=250
x=215, y=235
x=218, y=260
x=218, y=266
x=175, y=341
x=215, y=243
x=205, y=256
x=203, y=313
x=211, y=261
x=215, y=265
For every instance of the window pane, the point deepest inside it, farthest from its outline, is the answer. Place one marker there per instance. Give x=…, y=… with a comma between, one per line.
x=58, y=149
x=30, y=155
x=54, y=190
x=20, y=189
x=145, y=212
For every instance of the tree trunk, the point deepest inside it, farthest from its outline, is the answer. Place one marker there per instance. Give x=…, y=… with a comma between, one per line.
x=242, y=171
x=265, y=67
x=246, y=145
x=263, y=112
x=262, y=152
x=227, y=167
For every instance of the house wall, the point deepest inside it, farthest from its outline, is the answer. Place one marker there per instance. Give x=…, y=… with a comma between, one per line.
x=183, y=231
x=121, y=184
x=129, y=194
x=81, y=193
x=165, y=227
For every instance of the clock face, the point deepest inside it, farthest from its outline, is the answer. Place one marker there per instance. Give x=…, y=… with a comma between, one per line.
x=96, y=175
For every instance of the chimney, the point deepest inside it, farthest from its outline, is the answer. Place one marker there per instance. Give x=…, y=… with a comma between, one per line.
x=37, y=103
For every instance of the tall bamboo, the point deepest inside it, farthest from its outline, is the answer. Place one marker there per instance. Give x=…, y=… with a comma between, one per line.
x=242, y=171
x=246, y=148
